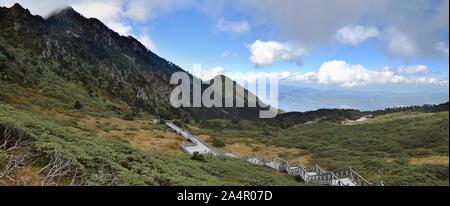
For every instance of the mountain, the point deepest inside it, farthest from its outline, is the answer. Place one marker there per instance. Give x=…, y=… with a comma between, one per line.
x=85, y=52
x=293, y=98
x=78, y=103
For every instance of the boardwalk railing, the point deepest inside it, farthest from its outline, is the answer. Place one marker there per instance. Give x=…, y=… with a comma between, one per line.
x=354, y=177
x=313, y=174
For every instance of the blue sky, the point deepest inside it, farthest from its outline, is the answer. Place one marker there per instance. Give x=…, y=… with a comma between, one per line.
x=335, y=44
x=190, y=36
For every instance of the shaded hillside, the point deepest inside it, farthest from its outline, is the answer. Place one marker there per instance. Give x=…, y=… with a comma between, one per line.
x=87, y=53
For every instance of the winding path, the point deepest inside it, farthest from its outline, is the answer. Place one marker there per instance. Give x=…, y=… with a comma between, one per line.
x=313, y=174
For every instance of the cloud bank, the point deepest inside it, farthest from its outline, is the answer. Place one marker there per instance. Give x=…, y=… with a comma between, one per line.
x=343, y=74
x=412, y=28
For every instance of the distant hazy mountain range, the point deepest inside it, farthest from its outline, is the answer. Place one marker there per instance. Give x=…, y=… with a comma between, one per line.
x=293, y=98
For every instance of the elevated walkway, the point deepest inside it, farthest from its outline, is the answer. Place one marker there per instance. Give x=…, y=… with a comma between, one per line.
x=313, y=174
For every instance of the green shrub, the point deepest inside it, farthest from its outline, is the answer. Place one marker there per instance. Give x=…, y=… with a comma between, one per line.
x=443, y=150
x=78, y=105
x=178, y=123
x=402, y=161
x=103, y=161
x=235, y=120
x=2, y=57
x=198, y=157
x=266, y=131
x=420, y=152
x=128, y=117
x=217, y=143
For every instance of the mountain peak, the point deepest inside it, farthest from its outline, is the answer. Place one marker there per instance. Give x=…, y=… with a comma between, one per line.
x=17, y=10
x=69, y=10
x=17, y=6
x=65, y=12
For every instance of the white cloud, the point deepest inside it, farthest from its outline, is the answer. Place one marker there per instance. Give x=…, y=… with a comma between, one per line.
x=264, y=53
x=304, y=77
x=210, y=73
x=102, y=10
x=121, y=28
x=314, y=23
x=144, y=9
x=347, y=75
x=38, y=7
x=147, y=41
x=354, y=35
x=399, y=44
x=335, y=72
x=442, y=47
x=109, y=12
x=416, y=69
x=237, y=27
x=228, y=53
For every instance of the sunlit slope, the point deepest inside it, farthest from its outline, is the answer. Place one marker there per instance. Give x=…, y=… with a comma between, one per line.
x=401, y=148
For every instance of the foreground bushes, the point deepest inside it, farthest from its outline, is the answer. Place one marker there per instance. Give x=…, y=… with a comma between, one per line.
x=100, y=161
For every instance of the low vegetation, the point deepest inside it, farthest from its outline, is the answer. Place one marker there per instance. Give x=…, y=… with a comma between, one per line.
x=37, y=150
x=290, y=119
x=401, y=147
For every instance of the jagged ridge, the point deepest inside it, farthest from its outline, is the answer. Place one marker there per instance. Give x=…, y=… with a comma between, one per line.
x=90, y=52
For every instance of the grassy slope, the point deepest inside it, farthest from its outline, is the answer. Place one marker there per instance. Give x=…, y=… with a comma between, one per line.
x=105, y=161
x=97, y=139
x=404, y=148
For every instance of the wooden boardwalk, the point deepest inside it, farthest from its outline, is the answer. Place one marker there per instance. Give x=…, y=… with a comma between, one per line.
x=313, y=174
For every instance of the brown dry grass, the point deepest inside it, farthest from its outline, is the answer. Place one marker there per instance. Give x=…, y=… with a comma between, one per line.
x=248, y=148
x=29, y=176
x=192, y=127
x=29, y=96
x=133, y=132
x=91, y=122
x=148, y=140
x=438, y=160
x=204, y=137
